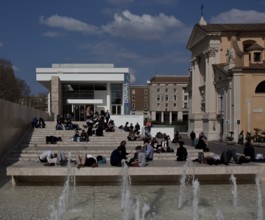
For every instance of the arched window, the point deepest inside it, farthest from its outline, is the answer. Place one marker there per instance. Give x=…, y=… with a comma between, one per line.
x=261, y=87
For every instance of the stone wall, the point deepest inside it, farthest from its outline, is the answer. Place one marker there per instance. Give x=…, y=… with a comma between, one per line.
x=15, y=121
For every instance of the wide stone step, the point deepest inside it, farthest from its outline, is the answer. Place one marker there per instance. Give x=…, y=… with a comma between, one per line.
x=157, y=172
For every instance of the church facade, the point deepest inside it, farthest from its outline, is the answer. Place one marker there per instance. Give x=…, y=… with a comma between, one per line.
x=227, y=84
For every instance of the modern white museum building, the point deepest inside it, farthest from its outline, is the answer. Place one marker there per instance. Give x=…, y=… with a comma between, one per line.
x=74, y=87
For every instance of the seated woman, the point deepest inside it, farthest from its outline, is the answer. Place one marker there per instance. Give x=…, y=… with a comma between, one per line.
x=41, y=123
x=84, y=136
x=202, y=144
x=139, y=159
x=76, y=136
x=249, y=151
x=110, y=126
x=59, y=125
x=182, y=153
x=131, y=136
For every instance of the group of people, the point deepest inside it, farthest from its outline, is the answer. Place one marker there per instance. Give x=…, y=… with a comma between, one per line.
x=80, y=137
x=142, y=155
x=97, y=122
x=65, y=123
x=50, y=158
x=38, y=123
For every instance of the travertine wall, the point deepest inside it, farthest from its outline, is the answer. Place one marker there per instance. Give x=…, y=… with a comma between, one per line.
x=15, y=120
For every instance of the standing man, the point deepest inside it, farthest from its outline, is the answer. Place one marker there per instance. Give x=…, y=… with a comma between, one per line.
x=193, y=138
x=107, y=117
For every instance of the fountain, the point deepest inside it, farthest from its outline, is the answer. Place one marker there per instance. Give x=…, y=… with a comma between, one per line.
x=234, y=190
x=183, y=181
x=59, y=213
x=195, y=202
x=128, y=201
x=259, y=198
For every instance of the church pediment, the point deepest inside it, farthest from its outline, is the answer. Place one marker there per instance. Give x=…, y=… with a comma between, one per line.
x=196, y=36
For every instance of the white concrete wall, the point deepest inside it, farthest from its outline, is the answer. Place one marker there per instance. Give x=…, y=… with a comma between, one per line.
x=122, y=119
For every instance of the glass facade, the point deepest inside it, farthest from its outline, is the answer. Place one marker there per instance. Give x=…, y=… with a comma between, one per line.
x=116, y=98
x=79, y=91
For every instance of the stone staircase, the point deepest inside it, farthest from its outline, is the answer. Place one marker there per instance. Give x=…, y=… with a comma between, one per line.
x=35, y=143
x=22, y=165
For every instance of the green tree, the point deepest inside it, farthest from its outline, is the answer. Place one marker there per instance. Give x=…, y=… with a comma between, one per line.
x=11, y=88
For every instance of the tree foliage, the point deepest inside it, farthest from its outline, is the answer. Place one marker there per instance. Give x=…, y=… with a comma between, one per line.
x=11, y=87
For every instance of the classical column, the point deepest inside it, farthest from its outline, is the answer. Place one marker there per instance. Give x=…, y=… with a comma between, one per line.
x=56, y=96
x=170, y=117
x=108, y=100
x=248, y=112
x=162, y=117
x=49, y=102
x=195, y=100
x=180, y=116
x=210, y=93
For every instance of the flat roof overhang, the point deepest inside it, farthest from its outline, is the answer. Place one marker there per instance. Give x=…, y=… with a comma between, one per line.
x=84, y=101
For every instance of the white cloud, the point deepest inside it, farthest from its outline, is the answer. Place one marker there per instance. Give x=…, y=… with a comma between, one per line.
x=129, y=25
x=132, y=76
x=126, y=25
x=68, y=23
x=239, y=16
x=51, y=34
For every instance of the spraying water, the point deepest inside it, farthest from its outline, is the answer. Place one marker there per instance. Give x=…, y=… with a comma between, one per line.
x=195, y=202
x=183, y=181
x=137, y=212
x=234, y=190
x=259, y=200
x=219, y=215
x=126, y=192
x=58, y=214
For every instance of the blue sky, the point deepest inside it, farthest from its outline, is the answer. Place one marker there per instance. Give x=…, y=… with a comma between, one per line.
x=148, y=36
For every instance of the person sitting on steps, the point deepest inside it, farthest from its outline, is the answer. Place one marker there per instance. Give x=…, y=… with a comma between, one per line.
x=86, y=160
x=182, y=153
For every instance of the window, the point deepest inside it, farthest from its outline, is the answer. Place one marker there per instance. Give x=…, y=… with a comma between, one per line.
x=158, y=90
x=146, y=98
x=157, y=104
x=166, y=104
x=261, y=87
x=175, y=90
x=175, y=104
x=185, y=97
x=166, y=90
x=257, y=57
x=146, y=91
x=145, y=106
x=158, y=98
x=133, y=91
x=133, y=98
x=133, y=106
x=166, y=97
x=175, y=98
